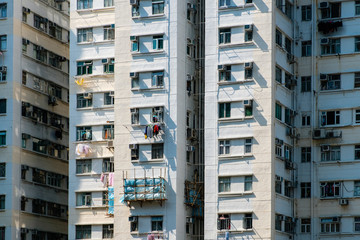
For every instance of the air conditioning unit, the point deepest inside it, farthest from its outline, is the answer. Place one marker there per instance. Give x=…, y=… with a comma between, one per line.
x=290, y=184
x=105, y=60
x=278, y=141
x=323, y=5
x=88, y=95
x=52, y=100
x=336, y=219
x=3, y=68
x=158, y=109
x=24, y=167
x=133, y=75
x=325, y=148
x=291, y=132
x=133, y=219
x=289, y=165
x=112, y=94
x=189, y=220
x=333, y=134
x=248, y=27
x=193, y=133
x=191, y=6
x=290, y=58
x=134, y=110
x=26, y=104
x=134, y=38
x=190, y=77
x=221, y=67
x=324, y=77
x=319, y=133
x=134, y=2
x=26, y=10
x=110, y=144
x=292, y=113
x=281, y=218
x=25, y=136
x=247, y=102
x=133, y=146
x=248, y=65
x=343, y=201
x=24, y=230
x=190, y=148
x=324, y=41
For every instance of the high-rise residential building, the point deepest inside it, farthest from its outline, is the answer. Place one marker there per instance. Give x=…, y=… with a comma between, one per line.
x=92, y=27
x=281, y=119
x=34, y=119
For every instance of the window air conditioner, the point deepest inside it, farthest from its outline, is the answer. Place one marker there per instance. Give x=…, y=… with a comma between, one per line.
x=133, y=74
x=324, y=41
x=324, y=77
x=3, y=69
x=26, y=136
x=248, y=27
x=24, y=167
x=247, y=102
x=24, y=230
x=112, y=94
x=343, y=202
x=110, y=144
x=133, y=146
x=26, y=10
x=221, y=67
x=281, y=218
x=189, y=220
x=105, y=61
x=133, y=219
x=325, y=148
x=190, y=77
x=134, y=110
x=133, y=38
x=134, y=2
x=336, y=219
x=88, y=95
x=278, y=141
x=323, y=5
x=190, y=148
x=248, y=65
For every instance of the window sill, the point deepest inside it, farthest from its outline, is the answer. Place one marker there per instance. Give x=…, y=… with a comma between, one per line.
x=84, y=43
x=56, y=189
x=229, y=157
x=146, y=233
x=3, y=146
x=230, y=8
x=2, y=178
x=234, y=82
x=45, y=155
x=330, y=198
x=157, y=52
x=234, y=194
x=84, y=108
x=3, y=82
x=234, y=230
x=231, y=45
x=162, y=160
x=103, y=107
x=3, y=18
x=148, y=89
x=234, y=119
x=149, y=17
x=91, y=207
x=2, y=210
x=103, y=9
x=86, y=174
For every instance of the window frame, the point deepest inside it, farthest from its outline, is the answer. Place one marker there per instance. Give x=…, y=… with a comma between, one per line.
x=325, y=118
x=248, y=182
x=158, y=7
x=83, y=166
x=334, y=154
x=306, y=13
x=336, y=188
x=224, y=185
x=306, y=47
x=328, y=225
x=305, y=189
x=158, y=43
x=83, y=231
x=3, y=106
x=224, y=147
x=305, y=154
x=157, y=223
x=225, y=110
x=157, y=151
x=224, y=36
x=84, y=4
x=306, y=84
x=334, y=47
x=356, y=188
x=305, y=225
x=2, y=138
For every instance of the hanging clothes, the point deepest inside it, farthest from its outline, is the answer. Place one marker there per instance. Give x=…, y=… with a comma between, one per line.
x=111, y=198
x=145, y=133
x=150, y=131
x=111, y=179
x=156, y=130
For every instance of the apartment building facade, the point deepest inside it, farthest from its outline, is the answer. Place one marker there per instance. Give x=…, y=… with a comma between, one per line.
x=91, y=168
x=34, y=119
x=281, y=120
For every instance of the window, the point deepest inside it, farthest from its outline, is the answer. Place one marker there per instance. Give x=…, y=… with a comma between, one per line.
x=133, y=224
x=158, y=42
x=333, y=47
x=278, y=184
x=330, y=189
x=135, y=11
x=224, y=222
x=305, y=154
x=248, y=183
x=357, y=152
x=357, y=224
x=330, y=118
x=357, y=80
x=105, y=198
x=333, y=82
x=288, y=9
x=305, y=225
x=357, y=188
x=248, y=108
x=305, y=119
x=53, y=179
x=157, y=7
x=108, y=65
x=83, y=166
x=109, y=31
x=288, y=191
x=85, y=35
x=2, y=233
x=2, y=138
x=288, y=44
x=84, y=4
x=306, y=13
x=288, y=116
x=2, y=202
x=40, y=23
x=224, y=110
x=278, y=74
x=3, y=43
x=109, y=98
x=157, y=223
x=108, y=132
x=278, y=148
x=135, y=153
x=157, y=151
x=55, y=91
x=108, y=165
x=224, y=3
x=134, y=43
x=224, y=184
x=278, y=37
x=134, y=115
x=305, y=189
x=55, y=60
x=306, y=48
x=224, y=73
x=357, y=7
x=247, y=222
x=3, y=10
x=224, y=35
x=108, y=231
x=278, y=111
x=84, y=67
x=108, y=3
x=2, y=106
x=40, y=53
x=83, y=101
x=224, y=147
x=248, y=35
x=248, y=73
x=248, y=145
x=306, y=84
x=157, y=79
x=330, y=153
x=83, y=133
x=278, y=221
x=83, y=232
x=333, y=11
x=158, y=114
x=2, y=170
x=330, y=225
x=40, y=145
x=83, y=199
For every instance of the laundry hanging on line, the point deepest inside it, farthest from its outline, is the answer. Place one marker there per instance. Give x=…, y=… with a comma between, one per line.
x=152, y=130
